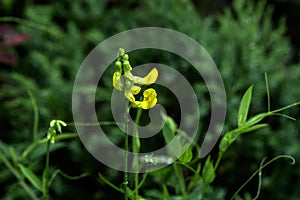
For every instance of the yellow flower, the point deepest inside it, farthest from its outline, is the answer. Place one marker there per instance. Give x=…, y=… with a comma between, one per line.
x=126, y=83
x=123, y=80
x=149, y=100
x=117, y=80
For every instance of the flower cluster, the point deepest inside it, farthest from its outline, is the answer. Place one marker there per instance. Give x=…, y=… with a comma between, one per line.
x=124, y=81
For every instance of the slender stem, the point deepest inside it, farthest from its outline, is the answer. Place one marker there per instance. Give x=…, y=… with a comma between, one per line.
x=125, y=183
x=110, y=183
x=286, y=107
x=102, y=123
x=259, y=169
x=46, y=173
x=187, y=166
x=136, y=185
x=268, y=92
x=259, y=180
x=219, y=159
x=136, y=149
x=142, y=181
x=179, y=175
x=58, y=171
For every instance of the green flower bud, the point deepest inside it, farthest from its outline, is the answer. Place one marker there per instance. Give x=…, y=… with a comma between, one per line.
x=125, y=57
x=118, y=65
x=126, y=67
x=121, y=52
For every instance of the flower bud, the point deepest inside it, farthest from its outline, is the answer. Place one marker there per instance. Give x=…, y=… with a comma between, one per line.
x=121, y=52
x=125, y=57
x=126, y=67
x=118, y=65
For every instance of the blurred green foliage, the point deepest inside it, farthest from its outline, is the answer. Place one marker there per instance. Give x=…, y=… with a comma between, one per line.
x=241, y=39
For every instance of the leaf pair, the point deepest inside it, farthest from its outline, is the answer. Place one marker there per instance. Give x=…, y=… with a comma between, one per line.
x=251, y=124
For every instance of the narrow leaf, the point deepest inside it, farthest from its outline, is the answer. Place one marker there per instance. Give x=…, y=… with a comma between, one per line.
x=244, y=107
x=168, y=133
x=170, y=122
x=253, y=128
x=13, y=154
x=257, y=118
x=169, y=130
x=227, y=140
x=208, y=172
x=33, y=179
x=166, y=192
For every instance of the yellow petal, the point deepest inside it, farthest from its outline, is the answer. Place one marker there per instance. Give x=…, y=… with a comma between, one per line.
x=116, y=80
x=149, y=100
x=147, y=80
x=135, y=89
x=147, y=104
x=151, y=77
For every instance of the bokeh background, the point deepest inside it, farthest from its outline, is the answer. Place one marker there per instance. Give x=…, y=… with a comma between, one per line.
x=244, y=38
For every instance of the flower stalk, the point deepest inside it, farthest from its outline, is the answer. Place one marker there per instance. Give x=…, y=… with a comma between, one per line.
x=123, y=80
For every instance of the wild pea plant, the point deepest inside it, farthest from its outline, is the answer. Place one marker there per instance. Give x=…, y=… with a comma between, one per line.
x=192, y=176
x=202, y=176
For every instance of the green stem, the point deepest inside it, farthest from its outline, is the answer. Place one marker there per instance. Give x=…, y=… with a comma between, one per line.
x=142, y=182
x=268, y=91
x=58, y=171
x=259, y=180
x=286, y=107
x=187, y=166
x=136, y=149
x=125, y=183
x=110, y=183
x=46, y=173
x=103, y=123
x=136, y=185
x=220, y=156
x=259, y=170
x=180, y=178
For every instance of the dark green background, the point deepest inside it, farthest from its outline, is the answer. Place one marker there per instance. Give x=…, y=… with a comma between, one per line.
x=244, y=38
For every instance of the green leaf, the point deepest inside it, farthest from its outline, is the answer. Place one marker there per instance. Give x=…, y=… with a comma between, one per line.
x=169, y=130
x=33, y=179
x=244, y=107
x=257, y=118
x=187, y=155
x=197, y=192
x=168, y=133
x=13, y=154
x=208, y=172
x=227, y=140
x=253, y=128
x=165, y=192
